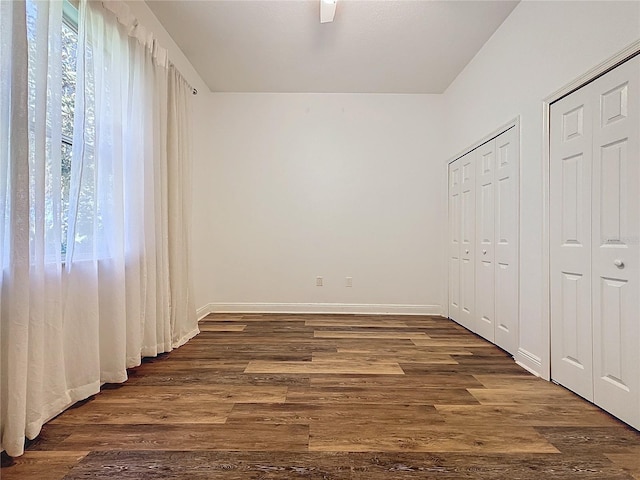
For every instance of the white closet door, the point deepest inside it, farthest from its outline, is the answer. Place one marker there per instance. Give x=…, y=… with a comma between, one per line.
x=615, y=241
x=570, y=237
x=455, y=225
x=467, y=241
x=485, y=240
x=506, y=180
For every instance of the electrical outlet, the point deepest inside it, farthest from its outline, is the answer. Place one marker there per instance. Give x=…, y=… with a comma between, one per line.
x=348, y=282
x=318, y=281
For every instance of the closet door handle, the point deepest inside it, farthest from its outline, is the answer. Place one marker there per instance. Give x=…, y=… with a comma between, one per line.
x=467, y=252
x=618, y=263
x=484, y=252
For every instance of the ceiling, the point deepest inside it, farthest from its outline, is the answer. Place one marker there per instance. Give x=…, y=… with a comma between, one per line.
x=373, y=46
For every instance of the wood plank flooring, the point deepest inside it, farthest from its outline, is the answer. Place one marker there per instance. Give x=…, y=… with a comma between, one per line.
x=332, y=397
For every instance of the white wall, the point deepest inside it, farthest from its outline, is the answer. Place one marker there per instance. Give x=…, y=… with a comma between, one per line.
x=540, y=47
x=294, y=186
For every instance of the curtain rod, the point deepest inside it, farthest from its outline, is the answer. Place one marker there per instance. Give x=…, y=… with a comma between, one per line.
x=194, y=90
x=123, y=13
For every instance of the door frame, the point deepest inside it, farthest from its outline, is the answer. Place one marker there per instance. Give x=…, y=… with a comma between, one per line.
x=609, y=64
x=513, y=123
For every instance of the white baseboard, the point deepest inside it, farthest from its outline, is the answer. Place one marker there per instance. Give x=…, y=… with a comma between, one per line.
x=204, y=311
x=336, y=308
x=530, y=362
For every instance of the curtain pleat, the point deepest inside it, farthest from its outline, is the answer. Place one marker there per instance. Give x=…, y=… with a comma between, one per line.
x=14, y=182
x=72, y=320
x=179, y=208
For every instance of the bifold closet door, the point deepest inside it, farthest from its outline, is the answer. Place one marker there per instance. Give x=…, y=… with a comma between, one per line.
x=461, y=240
x=497, y=240
x=467, y=240
x=455, y=226
x=485, y=240
x=616, y=241
x=594, y=234
x=570, y=237
x=507, y=221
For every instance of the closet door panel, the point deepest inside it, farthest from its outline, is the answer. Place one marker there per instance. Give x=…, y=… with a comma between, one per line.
x=454, y=239
x=570, y=249
x=506, y=240
x=467, y=242
x=485, y=240
x=615, y=234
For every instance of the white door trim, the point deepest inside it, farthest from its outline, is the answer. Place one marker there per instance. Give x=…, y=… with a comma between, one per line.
x=597, y=71
x=498, y=131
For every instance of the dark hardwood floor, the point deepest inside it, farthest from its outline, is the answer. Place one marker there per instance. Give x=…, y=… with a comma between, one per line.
x=332, y=397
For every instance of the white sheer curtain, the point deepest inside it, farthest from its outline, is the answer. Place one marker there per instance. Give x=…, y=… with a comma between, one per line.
x=179, y=174
x=76, y=318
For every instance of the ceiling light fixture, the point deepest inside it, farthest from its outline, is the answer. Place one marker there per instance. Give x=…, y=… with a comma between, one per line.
x=327, y=10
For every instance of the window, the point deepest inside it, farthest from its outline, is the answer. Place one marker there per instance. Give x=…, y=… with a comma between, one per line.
x=69, y=50
x=58, y=170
